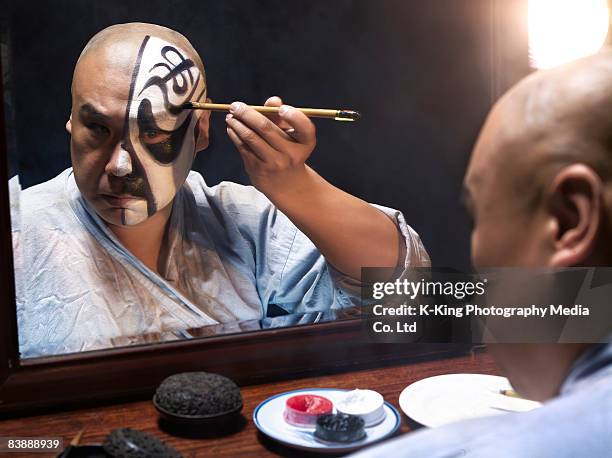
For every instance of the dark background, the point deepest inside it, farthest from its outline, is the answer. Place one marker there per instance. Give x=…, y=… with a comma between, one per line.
x=423, y=74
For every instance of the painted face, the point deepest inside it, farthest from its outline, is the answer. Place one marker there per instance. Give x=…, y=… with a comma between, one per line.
x=131, y=144
x=159, y=139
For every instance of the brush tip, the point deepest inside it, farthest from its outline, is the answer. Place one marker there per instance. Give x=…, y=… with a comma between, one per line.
x=187, y=106
x=349, y=115
x=355, y=115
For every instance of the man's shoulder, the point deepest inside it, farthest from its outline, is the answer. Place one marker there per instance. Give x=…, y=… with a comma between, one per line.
x=52, y=190
x=47, y=200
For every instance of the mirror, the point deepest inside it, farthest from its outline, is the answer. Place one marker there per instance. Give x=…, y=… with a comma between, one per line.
x=422, y=75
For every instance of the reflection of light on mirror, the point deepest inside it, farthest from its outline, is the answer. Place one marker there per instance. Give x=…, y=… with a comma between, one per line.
x=563, y=30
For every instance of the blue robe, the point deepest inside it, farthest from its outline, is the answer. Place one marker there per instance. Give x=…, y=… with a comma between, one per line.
x=231, y=257
x=576, y=424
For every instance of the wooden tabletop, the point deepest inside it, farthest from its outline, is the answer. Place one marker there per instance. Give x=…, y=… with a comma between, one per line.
x=245, y=440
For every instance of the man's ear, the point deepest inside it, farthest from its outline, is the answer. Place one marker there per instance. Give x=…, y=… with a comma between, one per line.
x=203, y=129
x=69, y=124
x=576, y=199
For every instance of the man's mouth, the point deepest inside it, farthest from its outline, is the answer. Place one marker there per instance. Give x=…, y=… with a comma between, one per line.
x=122, y=194
x=120, y=201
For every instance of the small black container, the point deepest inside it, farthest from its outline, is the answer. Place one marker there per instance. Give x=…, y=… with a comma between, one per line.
x=198, y=399
x=123, y=443
x=131, y=443
x=340, y=427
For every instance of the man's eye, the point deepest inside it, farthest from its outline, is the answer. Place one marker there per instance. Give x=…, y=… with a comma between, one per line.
x=155, y=136
x=98, y=129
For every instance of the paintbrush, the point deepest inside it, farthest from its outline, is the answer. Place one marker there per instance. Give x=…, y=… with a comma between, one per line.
x=337, y=115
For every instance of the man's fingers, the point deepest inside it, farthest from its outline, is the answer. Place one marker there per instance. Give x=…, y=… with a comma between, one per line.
x=260, y=124
x=247, y=153
x=251, y=138
x=276, y=101
x=303, y=128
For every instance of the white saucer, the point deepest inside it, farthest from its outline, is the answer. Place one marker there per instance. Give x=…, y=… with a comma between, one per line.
x=268, y=417
x=443, y=399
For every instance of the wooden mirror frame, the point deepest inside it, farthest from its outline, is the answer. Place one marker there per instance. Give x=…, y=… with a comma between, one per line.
x=37, y=384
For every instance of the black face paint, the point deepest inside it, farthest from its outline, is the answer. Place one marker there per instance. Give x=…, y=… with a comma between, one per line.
x=174, y=73
x=158, y=134
x=165, y=151
x=137, y=168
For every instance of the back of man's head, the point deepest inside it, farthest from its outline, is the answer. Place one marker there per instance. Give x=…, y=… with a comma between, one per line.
x=539, y=187
x=540, y=177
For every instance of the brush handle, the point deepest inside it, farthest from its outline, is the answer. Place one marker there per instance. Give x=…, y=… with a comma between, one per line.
x=339, y=115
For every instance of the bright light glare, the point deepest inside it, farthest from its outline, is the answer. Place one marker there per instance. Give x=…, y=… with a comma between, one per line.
x=564, y=30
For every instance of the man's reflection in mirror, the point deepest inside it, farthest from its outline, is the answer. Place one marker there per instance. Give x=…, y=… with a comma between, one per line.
x=129, y=241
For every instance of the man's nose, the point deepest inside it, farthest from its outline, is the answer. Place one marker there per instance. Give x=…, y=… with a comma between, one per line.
x=120, y=163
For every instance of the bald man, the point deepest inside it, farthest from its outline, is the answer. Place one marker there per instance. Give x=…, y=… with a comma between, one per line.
x=129, y=241
x=539, y=189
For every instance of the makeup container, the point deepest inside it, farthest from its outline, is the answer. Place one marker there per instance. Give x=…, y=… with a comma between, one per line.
x=198, y=398
x=127, y=442
x=366, y=404
x=304, y=409
x=340, y=428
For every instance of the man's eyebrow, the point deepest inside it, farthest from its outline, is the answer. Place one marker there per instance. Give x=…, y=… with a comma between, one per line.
x=89, y=111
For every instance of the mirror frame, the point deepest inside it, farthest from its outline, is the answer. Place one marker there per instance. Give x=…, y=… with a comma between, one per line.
x=39, y=384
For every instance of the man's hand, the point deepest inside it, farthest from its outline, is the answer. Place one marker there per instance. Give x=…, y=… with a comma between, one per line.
x=274, y=149
x=349, y=232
